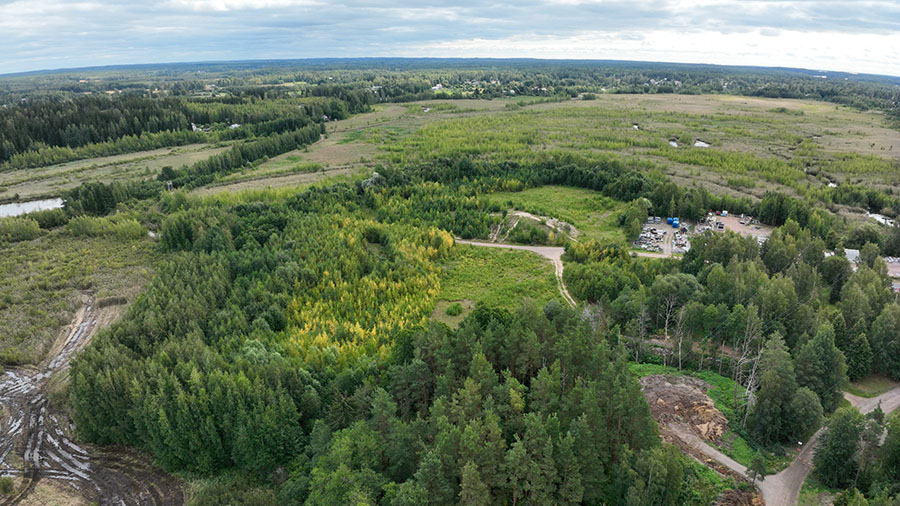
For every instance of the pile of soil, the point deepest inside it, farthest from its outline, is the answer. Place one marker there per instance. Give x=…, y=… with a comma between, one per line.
x=737, y=497
x=682, y=400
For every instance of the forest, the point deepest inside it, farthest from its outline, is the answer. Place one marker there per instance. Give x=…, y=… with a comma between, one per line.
x=259, y=346
x=285, y=349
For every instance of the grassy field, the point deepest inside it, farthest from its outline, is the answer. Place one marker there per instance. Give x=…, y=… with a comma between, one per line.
x=722, y=395
x=498, y=277
x=53, y=180
x=44, y=279
x=290, y=180
x=756, y=144
x=593, y=215
x=872, y=385
x=356, y=141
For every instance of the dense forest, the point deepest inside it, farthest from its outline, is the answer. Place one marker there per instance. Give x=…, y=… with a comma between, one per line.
x=46, y=131
x=291, y=335
x=294, y=335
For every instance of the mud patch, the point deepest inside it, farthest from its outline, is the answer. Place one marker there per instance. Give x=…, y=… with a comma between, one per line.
x=37, y=450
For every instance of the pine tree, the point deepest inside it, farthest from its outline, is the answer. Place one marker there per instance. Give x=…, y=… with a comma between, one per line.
x=473, y=491
x=518, y=468
x=569, y=489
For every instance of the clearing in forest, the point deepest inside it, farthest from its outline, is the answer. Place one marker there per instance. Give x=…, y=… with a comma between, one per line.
x=44, y=280
x=493, y=276
x=591, y=214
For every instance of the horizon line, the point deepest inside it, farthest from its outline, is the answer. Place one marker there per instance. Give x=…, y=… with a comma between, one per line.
x=124, y=66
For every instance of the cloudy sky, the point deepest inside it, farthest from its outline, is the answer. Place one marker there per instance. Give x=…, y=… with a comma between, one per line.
x=855, y=36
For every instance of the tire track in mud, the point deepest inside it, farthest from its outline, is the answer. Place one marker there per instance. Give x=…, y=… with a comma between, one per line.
x=34, y=441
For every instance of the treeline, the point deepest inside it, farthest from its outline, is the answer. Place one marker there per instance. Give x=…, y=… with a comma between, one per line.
x=84, y=120
x=105, y=126
x=51, y=155
x=359, y=83
x=628, y=182
x=240, y=155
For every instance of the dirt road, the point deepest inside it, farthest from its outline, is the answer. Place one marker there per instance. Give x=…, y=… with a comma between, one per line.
x=783, y=489
x=552, y=253
x=36, y=444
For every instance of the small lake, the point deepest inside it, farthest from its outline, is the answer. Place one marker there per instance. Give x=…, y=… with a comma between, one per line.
x=19, y=208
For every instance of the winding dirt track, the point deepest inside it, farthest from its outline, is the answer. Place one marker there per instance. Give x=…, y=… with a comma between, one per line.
x=552, y=253
x=35, y=443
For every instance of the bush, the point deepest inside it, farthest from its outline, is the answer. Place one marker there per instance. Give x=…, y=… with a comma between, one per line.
x=6, y=485
x=17, y=229
x=121, y=226
x=49, y=218
x=454, y=309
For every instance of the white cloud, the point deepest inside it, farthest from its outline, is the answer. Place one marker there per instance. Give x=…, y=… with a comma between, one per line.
x=236, y=5
x=859, y=36
x=870, y=53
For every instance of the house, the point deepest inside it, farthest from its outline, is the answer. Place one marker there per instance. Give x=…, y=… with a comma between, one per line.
x=852, y=255
x=437, y=87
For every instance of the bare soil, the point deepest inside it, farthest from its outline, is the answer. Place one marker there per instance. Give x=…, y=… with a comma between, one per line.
x=682, y=400
x=733, y=223
x=736, y=497
x=37, y=448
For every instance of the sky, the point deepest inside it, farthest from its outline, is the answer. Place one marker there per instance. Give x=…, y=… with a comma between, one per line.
x=852, y=36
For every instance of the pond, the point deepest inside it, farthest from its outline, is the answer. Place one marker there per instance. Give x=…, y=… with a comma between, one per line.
x=19, y=208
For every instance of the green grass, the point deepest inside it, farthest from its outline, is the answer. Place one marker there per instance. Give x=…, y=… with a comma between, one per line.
x=592, y=214
x=43, y=280
x=709, y=484
x=755, y=146
x=493, y=276
x=871, y=386
x=722, y=394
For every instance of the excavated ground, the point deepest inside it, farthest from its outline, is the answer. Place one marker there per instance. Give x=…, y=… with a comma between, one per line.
x=36, y=442
x=688, y=418
x=682, y=400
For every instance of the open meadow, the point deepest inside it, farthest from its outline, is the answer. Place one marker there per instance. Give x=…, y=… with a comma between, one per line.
x=755, y=144
x=495, y=277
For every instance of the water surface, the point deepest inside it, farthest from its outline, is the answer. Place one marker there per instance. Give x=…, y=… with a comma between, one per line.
x=19, y=208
